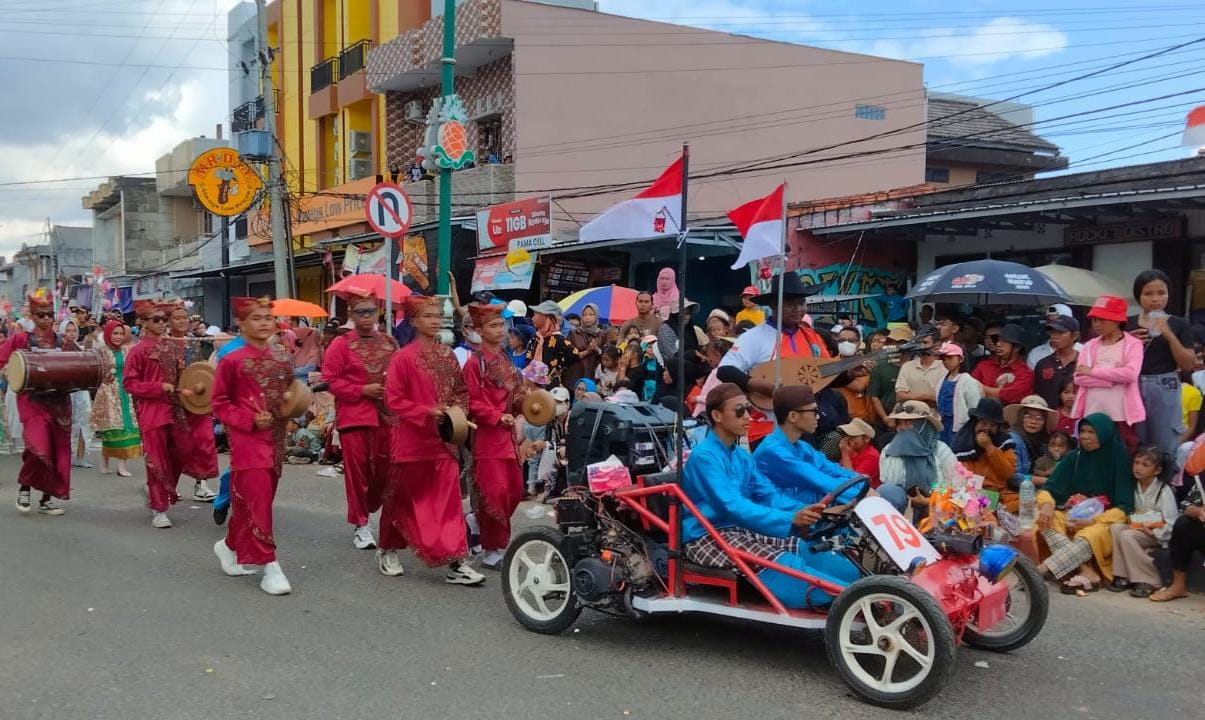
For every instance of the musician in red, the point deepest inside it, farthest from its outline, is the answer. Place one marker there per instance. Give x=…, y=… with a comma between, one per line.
x=152, y=373
x=422, y=506
x=192, y=434
x=46, y=462
x=354, y=366
x=249, y=387
x=495, y=390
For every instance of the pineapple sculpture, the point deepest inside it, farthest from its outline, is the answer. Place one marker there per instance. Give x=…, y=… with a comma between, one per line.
x=446, y=145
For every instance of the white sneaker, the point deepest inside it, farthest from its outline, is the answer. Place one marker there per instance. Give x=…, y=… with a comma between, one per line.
x=275, y=582
x=362, y=538
x=461, y=573
x=50, y=507
x=229, y=560
x=201, y=492
x=161, y=521
x=389, y=563
x=492, y=560
x=23, y=502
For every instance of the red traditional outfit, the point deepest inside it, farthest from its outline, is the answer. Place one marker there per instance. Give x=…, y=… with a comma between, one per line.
x=151, y=364
x=192, y=434
x=351, y=362
x=422, y=506
x=248, y=381
x=494, y=387
x=46, y=418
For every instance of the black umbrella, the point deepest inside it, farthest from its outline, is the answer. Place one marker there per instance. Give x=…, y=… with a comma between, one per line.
x=988, y=282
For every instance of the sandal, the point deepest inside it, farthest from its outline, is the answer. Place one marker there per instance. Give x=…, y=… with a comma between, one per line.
x=1164, y=595
x=1076, y=583
x=1119, y=585
x=1141, y=590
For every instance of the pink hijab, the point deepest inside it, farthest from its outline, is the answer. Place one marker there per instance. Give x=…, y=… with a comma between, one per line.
x=665, y=298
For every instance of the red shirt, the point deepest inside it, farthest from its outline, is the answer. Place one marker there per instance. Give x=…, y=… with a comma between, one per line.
x=990, y=371
x=493, y=384
x=421, y=376
x=866, y=462
x=149, y=365
x=351, y=362
x=248, y=381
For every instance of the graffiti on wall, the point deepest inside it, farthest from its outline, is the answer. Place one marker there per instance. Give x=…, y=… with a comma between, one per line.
x=846, y=279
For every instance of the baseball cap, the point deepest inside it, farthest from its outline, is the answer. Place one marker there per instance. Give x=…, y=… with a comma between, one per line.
x=1063, y=323
x=953, y=349
x=332, y=325
x=1059, y=309
x=857, y=428
x=560, y=394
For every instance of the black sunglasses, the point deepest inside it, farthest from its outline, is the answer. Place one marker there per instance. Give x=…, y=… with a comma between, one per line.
x=994, y=337
x=806, y=410
x=44, y=314
x=157, y=318
x=740, y=410
x=366, y=312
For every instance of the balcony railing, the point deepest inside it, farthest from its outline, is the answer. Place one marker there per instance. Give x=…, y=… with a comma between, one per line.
x=323, y=74
x=247, y=115
x=353, y=58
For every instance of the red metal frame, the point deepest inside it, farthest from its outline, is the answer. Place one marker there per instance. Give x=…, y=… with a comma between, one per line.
x=634, y=498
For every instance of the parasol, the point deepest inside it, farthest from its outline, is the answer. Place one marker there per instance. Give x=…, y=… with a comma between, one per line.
x=370, y=286
x=615, y=304
x=297, y=308
x=988, y=282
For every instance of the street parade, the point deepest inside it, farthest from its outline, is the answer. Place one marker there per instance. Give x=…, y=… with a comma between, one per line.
x=441, y=436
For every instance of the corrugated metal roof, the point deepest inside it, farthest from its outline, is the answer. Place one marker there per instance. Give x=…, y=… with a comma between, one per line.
x=973, y=125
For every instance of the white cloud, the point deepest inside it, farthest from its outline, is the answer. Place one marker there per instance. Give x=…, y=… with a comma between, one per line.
x=1003, y=38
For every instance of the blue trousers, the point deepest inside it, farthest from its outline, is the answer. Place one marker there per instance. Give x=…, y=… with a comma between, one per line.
x=222, y=501
x=797, y=594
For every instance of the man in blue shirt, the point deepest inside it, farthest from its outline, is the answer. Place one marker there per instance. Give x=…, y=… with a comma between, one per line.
x=749, y=512
x=792, y=464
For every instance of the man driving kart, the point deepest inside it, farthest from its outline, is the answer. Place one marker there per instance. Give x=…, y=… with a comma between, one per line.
x=796, y=468
x=750, y=513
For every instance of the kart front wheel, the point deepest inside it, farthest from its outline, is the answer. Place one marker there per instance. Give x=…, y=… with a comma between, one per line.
x=1027, y=605
x=537, y=581
x=890, y=641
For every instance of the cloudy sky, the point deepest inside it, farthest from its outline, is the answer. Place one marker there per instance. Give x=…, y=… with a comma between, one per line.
x=103, y=87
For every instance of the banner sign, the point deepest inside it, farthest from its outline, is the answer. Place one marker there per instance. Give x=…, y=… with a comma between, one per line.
x=364, y=259
x=494, y=273
x=523, y=224
x=1161, y=229
x=566, y=276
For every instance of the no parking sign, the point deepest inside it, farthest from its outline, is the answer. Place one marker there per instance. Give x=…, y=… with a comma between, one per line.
x=388, y=210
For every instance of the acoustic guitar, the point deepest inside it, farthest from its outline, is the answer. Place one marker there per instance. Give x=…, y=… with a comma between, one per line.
x=819, y=373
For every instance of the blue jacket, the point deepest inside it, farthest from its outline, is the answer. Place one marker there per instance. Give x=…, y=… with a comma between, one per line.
x=799, y=470
x=730, y=492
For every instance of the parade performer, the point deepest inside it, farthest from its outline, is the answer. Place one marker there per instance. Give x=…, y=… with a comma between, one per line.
x=422, y=505
x=354, y=367
x=45, y=418
x=81, y=400
x=152, y=373
x=113, y=416
x=495, y=389
x=249, y=386
x=192, y=434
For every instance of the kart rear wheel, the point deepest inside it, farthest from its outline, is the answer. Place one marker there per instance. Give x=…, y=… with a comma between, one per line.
x=1028, y=603
x=890, y=641
x=537, y=581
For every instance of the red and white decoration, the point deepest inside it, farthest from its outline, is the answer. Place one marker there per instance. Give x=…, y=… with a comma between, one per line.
x=762, y=224
x=652, y=213
x=1194, y=128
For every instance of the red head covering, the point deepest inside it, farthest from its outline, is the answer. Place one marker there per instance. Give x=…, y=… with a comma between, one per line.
x=143, y=308
x=416, y=302
x=482, y=314
x=354, y=300
x=242, y=306
x=39, y=300
x=1109, y=307
x=108, y=330
x=171, y=306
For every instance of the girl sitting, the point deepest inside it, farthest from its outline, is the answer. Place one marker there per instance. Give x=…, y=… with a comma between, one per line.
x=1150, y=527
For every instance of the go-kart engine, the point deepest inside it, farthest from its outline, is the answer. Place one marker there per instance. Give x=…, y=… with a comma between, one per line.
x=619, y=566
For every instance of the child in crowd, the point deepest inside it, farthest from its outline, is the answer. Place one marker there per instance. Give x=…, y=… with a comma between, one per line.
x=1150, y=527
x=1057, y=446
x=607, y=372
x=304, y=445
x=1066, y=423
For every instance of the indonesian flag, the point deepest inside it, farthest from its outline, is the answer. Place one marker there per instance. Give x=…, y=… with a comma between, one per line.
x=762, y=224
x=652, y=213
x=1194, y=129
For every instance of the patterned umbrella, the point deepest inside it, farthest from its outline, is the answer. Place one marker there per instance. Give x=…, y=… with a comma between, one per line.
x=988, y=282
x=615, y=304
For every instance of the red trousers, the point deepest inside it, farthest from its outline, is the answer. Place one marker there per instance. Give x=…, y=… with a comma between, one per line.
x=422, y=510
x=365, y=470
x=46, y=462
x=162, y=468
x=198, y=455
x=249, y=531
x=499, y=487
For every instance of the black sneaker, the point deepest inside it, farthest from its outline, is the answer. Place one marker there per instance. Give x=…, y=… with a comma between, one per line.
x=23, y=503
x=50, y=507
x=219, y=515
x=1119, y=585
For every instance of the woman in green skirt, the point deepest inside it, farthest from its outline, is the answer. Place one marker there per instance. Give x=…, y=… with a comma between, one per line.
x=112, y=411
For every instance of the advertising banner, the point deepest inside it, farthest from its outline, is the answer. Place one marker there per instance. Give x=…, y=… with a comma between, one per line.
x=494, y=273
x=523, y=224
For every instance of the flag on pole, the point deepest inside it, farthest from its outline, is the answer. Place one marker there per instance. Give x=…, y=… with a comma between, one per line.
x=652, y=213
x=762, y=224
x=1194, y=128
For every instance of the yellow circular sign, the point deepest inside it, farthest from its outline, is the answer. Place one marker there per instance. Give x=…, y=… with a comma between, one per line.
x=225, y=185
x=518, y=261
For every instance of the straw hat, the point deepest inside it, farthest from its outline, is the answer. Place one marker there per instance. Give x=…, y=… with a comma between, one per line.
x=915, y=410
x=1012, y=413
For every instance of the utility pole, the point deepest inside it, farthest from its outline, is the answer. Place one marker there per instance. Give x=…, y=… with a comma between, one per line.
x=443, y=264
x=280, y=253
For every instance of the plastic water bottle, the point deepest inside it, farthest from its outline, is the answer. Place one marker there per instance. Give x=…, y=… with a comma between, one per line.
x=1029, y=505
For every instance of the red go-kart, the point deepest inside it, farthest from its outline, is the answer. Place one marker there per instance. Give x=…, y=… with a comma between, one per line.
x=890, y=634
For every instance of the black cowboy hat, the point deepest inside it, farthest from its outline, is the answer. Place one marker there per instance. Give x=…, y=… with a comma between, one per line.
x=793, y=288
x=989, y=409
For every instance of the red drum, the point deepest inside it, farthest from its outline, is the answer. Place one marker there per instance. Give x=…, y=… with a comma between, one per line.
x=53, y=371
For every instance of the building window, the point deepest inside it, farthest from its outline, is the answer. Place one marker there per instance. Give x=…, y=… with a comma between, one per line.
x=937, y=175
x=870, y=112
x=983, y=177
x=489, y=140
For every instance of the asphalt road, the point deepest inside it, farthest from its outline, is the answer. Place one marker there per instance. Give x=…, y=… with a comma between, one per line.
x=105, y=617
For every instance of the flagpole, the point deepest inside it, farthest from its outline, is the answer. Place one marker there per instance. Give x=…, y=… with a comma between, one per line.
x=681, y=374
x=389, y=285
x=782, y=272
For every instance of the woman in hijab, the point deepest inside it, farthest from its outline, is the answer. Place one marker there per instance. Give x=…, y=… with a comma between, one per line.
x=985, y=448
x=1100, y=467
x=665, y=298
x=517, y=340
x=81, y=401
x=588, y=339
x=112, y=414
x=915, y=459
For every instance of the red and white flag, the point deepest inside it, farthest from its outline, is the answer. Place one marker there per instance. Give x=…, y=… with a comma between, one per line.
x=762, y=224
x=652, y=213
x=1194, y=129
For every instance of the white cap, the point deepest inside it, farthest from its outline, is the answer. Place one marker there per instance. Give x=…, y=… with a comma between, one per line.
x=213, y=330
x=1059, y=309
x=560, y=394
x=517, y=308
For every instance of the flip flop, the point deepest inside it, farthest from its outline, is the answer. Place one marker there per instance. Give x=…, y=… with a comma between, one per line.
x=1164, y=595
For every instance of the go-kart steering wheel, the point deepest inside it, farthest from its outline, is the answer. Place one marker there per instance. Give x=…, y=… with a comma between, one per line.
x=838, y=517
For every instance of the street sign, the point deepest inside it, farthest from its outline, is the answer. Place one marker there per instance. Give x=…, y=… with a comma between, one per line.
x=388, y=210
x=225, y=185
